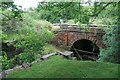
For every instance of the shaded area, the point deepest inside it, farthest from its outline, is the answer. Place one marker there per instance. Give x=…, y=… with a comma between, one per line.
x=85, y=49
x=10, y=50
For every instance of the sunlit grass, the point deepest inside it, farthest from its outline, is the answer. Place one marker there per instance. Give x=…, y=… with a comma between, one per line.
x=57, y=67
x=51, y=48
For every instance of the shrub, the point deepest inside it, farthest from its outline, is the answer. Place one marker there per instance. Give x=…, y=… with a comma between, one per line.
x=42, y=24
x=24, y=58
x=35, y=37
x=6, y=64
x=109, y=54
x=3, y=37
x=17, y=60
x=71, y=21
x=30, y=41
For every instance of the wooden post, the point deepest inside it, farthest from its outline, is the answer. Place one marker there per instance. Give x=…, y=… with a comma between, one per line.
x=77, y=53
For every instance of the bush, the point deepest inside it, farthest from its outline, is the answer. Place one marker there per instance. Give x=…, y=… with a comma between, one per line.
x=17, y=60
x=24, y=58
x=71, y=21
x=109, y=54
x=30, y=41
x=39, y=25
x=3, y=37
x=6, y=64
x=35, y=37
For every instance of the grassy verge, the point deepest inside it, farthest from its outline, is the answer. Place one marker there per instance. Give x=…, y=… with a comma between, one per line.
x=51, y=48
x=57, y=67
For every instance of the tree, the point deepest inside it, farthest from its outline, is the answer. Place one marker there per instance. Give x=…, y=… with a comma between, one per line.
x=10, y=16
x=71, y=10
x=112, y=39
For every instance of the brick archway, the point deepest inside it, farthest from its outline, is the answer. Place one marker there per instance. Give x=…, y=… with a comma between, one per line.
x=66, y=37
x=88, y=37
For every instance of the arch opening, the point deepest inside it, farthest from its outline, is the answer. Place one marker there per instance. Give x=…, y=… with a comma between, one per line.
x=85, y=49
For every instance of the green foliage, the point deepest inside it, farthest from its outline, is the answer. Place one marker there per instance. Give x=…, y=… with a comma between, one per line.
x=108, y=54
x=43, y=24
x=53, y=12
x=32, y=37
x=12, y=7
x=47, y=49
x=17, y=60
x=109, y=15
x=24, y=58
x=28, y=20
x=111, y=39
x=30, y=41
x=6, y=64
x=105, y=15
x=71, y=21
x=3, y=37
x=11, y=15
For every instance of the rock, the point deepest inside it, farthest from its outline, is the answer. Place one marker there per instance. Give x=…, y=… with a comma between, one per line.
x=45, y=57
x=34, y=62
x=11, y=69
x=0, y=75
x=66, y=54
x=26, y=65
x=39, y=60
x=17, y=68
x=7, y=72
x=3, y=74
x=73, y=58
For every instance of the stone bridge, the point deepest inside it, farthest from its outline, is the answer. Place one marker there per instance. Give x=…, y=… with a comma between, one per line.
x=87, y=38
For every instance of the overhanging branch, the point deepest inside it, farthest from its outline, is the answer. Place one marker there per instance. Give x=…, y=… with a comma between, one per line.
x=96, y=14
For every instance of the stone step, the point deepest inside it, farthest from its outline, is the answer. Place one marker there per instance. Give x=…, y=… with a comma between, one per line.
x=47, y=56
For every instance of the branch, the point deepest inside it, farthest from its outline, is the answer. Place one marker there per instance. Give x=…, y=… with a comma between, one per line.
x=101, y=9
x=57, y=12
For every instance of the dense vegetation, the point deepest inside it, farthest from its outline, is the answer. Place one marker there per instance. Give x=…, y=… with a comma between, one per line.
x=25, y=33
x=31, y=30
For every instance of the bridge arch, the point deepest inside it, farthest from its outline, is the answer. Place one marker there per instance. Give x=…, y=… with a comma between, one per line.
x=67, y=37
x=85, y=45
x=89, y=37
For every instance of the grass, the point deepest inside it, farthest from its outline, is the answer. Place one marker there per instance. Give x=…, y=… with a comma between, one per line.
x=51, y=48
x=58, y=67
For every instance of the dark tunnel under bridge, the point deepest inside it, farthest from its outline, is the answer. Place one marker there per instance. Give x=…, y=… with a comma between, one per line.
x=85, y=49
